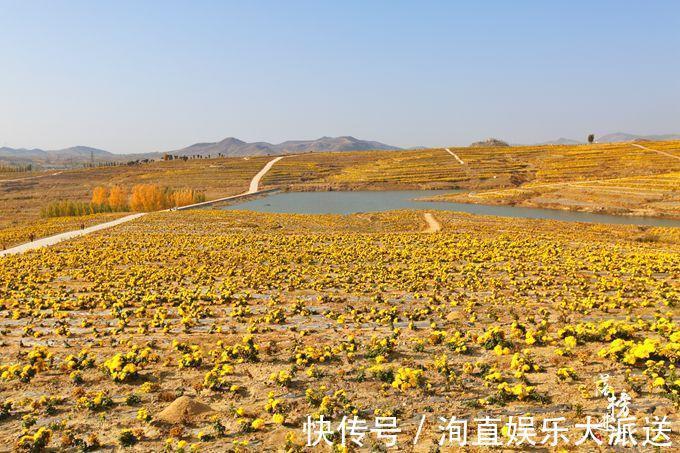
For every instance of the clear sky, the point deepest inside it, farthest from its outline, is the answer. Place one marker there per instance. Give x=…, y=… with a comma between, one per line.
x=156, y=75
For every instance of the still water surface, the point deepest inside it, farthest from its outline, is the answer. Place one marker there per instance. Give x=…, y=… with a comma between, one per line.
x=372, y=201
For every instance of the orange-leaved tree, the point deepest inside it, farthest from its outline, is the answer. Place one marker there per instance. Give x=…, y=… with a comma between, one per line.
x=118, y=199
x=148, y=197
x=100, y=196
x=183, y=197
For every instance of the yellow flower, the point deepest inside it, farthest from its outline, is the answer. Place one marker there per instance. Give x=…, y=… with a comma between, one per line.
x=659, y=382
x=570, y=342
x=258, y=423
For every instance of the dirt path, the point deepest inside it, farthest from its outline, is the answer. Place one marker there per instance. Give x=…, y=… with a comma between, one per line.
x=252, y=189
x=432, y=224
x=460, y=161
x=657, y=151
x=29, y=177
x=255, y=183
x=51, y=240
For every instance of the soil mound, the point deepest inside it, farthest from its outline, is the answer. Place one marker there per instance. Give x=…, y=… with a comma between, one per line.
x=182, y=410
x=489, y=143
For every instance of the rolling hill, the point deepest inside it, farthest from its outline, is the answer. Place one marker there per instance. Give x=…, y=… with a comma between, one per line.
x=233, y=147
x=616, y=137
x=229, y=147
x=74, y=154
x=625, y=137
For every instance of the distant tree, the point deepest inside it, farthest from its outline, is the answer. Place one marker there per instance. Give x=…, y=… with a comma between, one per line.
x=591, y=138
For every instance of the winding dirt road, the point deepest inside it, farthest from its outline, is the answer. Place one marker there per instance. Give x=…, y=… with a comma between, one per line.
x=252, y=189
x=51, y=240
x=255, y=183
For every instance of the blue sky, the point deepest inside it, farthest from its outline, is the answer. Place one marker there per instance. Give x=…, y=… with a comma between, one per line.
x=150, y=76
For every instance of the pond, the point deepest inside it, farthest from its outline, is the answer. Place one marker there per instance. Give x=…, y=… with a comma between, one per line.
x=372, y=201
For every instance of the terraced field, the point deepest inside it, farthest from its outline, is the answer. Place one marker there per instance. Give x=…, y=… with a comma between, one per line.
x=377, y=170
x=484, y=167
x=670, y=147
x=261, y=320
x=613, y=178
x=653, y=195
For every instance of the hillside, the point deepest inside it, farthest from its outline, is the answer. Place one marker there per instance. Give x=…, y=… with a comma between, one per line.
x=613, y=178
x=74, y=154
x=234, y=147
x=561, y=141
x=229, y=147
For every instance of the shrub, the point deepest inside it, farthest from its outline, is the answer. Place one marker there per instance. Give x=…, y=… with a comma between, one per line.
x=69, y=208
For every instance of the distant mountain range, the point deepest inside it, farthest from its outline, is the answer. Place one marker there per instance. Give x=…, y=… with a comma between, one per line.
x=229, y=147
x=614, y=138
x=561, y=141
x=624, y=137
x=75, y=154
x=234, y=147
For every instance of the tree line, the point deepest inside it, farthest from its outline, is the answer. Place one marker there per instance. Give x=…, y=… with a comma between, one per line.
x=142, y=198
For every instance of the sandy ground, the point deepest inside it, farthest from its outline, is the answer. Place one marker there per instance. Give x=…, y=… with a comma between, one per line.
x=432, y=224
